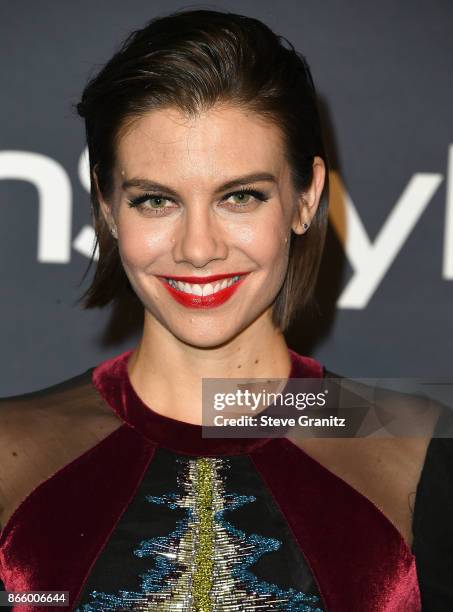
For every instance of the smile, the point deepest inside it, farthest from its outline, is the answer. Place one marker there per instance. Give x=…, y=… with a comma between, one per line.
x=203, y=289
x=201, y=294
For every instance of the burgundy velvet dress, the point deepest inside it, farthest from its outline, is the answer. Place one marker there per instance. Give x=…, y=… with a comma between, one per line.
x=138, y=512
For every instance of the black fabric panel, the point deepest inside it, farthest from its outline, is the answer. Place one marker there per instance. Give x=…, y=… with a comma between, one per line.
x=286, y=566
x=117, y=567
x=433, y=521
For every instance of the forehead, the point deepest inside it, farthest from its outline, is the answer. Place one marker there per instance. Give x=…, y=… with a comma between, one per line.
x=221, y=142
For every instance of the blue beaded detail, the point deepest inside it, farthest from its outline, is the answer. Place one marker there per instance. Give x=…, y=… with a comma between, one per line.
x=203, y=565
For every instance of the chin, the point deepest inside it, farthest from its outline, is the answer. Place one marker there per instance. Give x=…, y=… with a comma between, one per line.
x=205, y=339
x=206, y=334
x=208, y=328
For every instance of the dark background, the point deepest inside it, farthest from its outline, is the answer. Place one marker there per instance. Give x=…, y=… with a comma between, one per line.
x=383, y=74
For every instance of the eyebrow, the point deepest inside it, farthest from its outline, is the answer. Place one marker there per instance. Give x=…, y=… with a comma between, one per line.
x=149, y=185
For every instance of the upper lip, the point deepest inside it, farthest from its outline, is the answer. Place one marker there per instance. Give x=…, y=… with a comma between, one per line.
x=204, y=279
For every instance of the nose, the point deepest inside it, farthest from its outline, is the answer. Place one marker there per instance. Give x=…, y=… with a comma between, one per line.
x=200, y=237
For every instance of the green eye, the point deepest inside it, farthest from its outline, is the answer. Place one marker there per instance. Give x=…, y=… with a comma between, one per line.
x=157, y=200
x=242, y=198
x=149, y=202
x=245, y=199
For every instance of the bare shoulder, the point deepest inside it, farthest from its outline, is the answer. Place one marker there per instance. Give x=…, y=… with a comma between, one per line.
x=43, y=430
x=54, y=414
x=385, y=469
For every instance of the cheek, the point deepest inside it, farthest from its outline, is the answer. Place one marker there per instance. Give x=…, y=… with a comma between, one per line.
x=263, y=239
x=141, y=243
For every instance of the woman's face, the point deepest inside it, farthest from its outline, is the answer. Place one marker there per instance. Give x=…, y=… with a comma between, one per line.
x=205, y=197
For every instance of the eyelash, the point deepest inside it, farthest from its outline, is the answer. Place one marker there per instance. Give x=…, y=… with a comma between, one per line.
x=136, y=202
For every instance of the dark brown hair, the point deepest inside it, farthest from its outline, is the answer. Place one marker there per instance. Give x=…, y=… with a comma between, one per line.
x=191, y=60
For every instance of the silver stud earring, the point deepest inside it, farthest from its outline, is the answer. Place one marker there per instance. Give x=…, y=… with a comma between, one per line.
x=114, y=232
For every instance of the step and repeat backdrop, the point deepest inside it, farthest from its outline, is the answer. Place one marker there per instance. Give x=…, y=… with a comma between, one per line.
x=383, y=72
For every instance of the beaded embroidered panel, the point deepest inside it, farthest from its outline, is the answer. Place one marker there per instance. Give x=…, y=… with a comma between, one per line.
x=202, y=534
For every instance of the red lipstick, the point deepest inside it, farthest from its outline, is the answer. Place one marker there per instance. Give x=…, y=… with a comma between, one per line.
x=189, y=300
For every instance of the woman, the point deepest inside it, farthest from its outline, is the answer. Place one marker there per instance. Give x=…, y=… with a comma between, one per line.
x=208, y=191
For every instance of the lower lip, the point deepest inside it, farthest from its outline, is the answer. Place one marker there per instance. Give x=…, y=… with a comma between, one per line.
x=202, y=301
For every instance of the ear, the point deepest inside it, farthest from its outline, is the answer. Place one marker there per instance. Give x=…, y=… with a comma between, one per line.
x=308, y=201
x=106, y=208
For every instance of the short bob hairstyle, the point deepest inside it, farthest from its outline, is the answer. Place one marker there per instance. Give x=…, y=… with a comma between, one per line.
x=191, y=60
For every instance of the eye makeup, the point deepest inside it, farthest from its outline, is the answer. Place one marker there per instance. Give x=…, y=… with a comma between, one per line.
x=138, y=201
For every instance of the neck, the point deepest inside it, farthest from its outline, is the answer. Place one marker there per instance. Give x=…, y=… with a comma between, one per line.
x=167, y=373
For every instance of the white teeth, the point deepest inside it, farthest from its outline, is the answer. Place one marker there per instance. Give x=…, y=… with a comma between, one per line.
x=204, y=289
x=208, y=289
x=195, y=289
